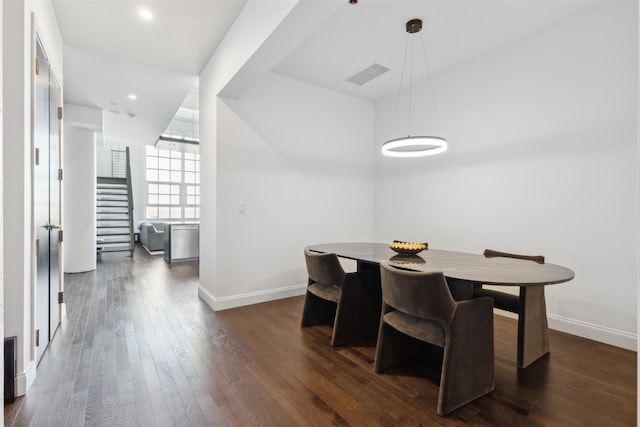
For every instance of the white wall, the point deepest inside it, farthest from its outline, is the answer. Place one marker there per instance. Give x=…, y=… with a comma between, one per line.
x=543, y=154
x=18, y=222
x=233, y=52
x=80, y=199
x=304, y=175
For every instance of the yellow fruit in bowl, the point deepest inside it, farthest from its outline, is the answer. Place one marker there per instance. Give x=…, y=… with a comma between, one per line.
x=407, y=247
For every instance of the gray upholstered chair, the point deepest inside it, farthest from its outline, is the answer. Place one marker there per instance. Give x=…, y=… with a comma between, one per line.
x=152, y=236
x=417, y=306
x=529, y=299
x=337, y=298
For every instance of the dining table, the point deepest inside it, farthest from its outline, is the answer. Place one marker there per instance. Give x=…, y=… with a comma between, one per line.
x=464, y=273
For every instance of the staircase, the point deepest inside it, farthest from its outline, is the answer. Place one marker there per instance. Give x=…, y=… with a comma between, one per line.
x=114, y=213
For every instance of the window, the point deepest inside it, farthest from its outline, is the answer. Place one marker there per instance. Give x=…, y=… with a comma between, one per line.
x=173, y=185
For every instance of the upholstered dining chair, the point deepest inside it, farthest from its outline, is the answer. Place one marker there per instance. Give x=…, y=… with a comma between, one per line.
x=418, y=306
x=337, y=298
x=530, y=299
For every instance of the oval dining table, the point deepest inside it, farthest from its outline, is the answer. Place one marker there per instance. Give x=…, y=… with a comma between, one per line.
x=464, y=271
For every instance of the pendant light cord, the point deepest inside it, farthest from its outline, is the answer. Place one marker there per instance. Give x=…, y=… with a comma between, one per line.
x=433, y=94
x=410, y=86
x=404, y=61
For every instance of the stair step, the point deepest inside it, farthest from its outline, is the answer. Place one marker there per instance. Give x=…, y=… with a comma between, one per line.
x=116, y=186
x=110, y=180
x=107, y=244
x=106, y=210
x=113, y=220
x=113, y=242
x=111, y=193
x=122, y=248
x=111, y=199
x=103, y=251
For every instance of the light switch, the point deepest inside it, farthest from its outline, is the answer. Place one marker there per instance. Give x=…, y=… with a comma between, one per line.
x=241, y=207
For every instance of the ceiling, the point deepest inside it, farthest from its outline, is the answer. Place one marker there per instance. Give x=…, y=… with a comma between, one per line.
x=454, y=32
x=110, y=52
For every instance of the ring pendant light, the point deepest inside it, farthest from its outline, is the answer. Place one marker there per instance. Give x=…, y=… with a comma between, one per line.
x=414, y=146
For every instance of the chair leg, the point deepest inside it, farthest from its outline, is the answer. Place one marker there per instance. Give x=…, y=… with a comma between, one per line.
x=317, y=311
x=393, y=347
x=468, y=363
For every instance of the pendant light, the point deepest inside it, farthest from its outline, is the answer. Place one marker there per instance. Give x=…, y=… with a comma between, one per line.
x=414, y=146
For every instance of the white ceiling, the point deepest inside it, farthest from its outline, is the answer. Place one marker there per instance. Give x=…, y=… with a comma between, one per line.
x=110, y=52
x=454, y=32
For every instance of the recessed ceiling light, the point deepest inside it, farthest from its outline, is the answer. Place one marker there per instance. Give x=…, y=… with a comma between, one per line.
x=145, y=14
x=133, y=96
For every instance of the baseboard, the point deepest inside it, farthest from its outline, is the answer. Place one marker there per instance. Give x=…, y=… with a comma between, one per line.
x=240, y=300
x=24, y=380
x=571, y=326
x=598, y=333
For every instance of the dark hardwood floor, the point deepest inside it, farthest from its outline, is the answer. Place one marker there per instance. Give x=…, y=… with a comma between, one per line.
x=138, y=347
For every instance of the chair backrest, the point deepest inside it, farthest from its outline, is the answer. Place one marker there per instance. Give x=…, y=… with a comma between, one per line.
x=416, y=293
x=324, y=268
x=490, y=253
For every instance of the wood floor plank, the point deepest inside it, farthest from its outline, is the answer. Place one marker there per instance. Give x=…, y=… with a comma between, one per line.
x=139, y=348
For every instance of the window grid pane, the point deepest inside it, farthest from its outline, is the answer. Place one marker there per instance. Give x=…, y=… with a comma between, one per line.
x=172, y=184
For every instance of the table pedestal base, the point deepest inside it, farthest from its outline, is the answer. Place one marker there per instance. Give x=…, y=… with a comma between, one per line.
x=533, y=330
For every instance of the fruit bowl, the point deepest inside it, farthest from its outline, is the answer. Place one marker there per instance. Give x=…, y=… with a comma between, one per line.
x=408, y=248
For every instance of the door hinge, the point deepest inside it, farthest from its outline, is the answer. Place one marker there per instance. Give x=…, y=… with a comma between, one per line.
x=60, y=297
x=37, y=156
x=37, y=66
x=59, y=113
x=60, y=235
x=37, y=337
x=59, y=174
x=37, y=247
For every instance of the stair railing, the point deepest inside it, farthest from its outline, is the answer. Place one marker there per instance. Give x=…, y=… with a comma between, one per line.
x=130, y=200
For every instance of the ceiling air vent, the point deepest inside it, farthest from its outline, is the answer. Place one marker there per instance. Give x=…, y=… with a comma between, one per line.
x=369, y=73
